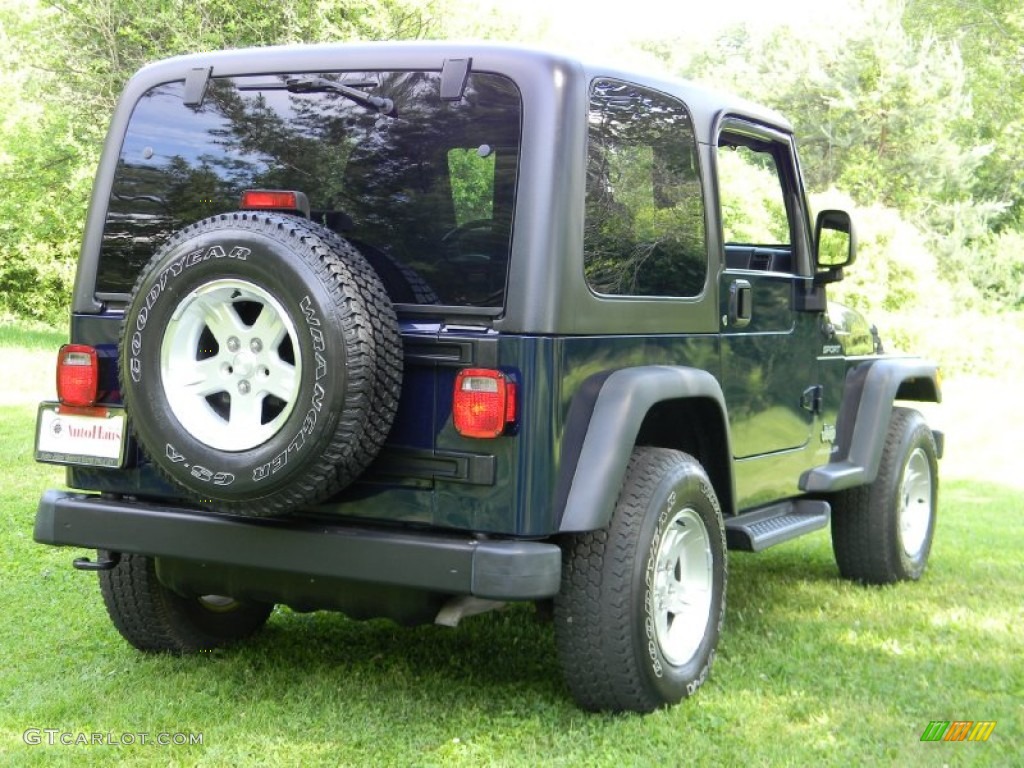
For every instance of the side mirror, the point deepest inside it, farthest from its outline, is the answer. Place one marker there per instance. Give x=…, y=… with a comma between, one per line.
x=835, y=244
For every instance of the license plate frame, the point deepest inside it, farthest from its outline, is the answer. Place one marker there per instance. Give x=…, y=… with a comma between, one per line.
x=90, y=437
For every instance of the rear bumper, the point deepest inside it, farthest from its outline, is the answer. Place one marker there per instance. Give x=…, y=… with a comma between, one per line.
x=496, y=569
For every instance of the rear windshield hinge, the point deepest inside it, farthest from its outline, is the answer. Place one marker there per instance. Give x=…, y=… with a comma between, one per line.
x=195, y=86
x=454, y=74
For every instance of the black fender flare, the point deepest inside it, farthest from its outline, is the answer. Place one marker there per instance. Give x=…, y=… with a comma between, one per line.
x=868, y=397
x=602, y=426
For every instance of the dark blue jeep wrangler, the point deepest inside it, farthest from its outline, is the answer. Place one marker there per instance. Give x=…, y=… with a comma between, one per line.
x=415, y=330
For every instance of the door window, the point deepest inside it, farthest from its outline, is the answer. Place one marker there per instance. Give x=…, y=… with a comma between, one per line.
x=757, y=223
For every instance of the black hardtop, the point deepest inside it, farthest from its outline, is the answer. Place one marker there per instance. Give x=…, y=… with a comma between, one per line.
x=546, y=291
x=524, y=63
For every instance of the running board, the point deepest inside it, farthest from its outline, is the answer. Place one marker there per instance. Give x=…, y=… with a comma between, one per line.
x=768, y=526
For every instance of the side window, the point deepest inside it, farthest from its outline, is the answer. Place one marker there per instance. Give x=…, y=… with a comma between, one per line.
x=755, y=224
x=644, y=228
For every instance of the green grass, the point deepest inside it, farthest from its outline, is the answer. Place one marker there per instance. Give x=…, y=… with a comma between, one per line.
x=811, y=670
x=30, y=357
x=30, y=336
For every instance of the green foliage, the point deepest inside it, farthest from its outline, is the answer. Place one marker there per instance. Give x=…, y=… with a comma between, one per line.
x=113, y=38
x=913, y=106
x=875, y=110
x=1000, y=276
x=43, y=186
x=989, y=35
x=911, y=112
x=55, y=108
x=472, y=179
x=896, y=281
x=36, y=280
x=751, y=204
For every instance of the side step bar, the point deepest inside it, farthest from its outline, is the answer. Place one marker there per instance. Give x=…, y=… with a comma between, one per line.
x=768, y=526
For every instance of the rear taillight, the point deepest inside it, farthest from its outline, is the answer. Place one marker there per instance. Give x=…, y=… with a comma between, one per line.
x=78, y=375
x=484, y=403
x=275, y=200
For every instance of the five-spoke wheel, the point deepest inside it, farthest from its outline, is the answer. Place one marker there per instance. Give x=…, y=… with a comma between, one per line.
x=229, y=363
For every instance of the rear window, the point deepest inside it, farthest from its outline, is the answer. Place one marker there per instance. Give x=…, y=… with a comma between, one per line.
x=427, y=195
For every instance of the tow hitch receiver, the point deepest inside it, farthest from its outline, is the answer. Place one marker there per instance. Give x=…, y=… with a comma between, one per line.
x=102, y=563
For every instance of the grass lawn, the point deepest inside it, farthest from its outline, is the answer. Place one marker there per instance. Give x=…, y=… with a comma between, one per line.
x=811, y=670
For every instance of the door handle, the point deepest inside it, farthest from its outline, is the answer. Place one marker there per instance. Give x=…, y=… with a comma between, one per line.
x=812, y=398
x=741, y=303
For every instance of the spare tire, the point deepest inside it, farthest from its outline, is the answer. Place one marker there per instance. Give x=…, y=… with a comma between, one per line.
x=260, y=362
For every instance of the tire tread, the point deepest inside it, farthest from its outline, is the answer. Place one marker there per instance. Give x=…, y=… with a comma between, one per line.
x=864, y=538
x=595, y=628
x=152, y=618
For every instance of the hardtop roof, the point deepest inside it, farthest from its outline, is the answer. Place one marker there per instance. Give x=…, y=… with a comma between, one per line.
x=707, y=104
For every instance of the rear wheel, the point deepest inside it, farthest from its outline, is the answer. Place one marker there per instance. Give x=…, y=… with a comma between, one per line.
x=642, y=600
x=882, y=532
x=153, y=618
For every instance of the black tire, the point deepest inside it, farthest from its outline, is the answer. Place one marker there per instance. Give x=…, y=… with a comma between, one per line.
x=403, y=283
x=882, y=532
x=387, y=341
x=260, y=362
x=153, y=618
x=621, y=647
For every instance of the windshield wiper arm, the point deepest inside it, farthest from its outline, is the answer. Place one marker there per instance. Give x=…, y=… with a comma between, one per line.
x=318, y=84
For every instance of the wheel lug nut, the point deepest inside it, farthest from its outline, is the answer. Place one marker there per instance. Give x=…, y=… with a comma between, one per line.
x=233, y=344
x=256, y=346
x=244, y=387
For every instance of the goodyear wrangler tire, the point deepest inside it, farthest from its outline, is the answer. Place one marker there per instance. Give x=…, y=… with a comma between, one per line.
x=642, y=602
x=882, y=532
x=260, y=362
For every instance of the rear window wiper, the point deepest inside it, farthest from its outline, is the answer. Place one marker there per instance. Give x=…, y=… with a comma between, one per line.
x=382, y=105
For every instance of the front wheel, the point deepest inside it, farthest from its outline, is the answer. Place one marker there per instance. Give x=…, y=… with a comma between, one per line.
x=643, y=600
x=882, y=532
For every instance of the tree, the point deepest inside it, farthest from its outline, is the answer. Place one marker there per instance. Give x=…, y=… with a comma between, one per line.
x=56, y=106
x=912, y=110
x=875, y=110
x=39, y=175
x=990, y=36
